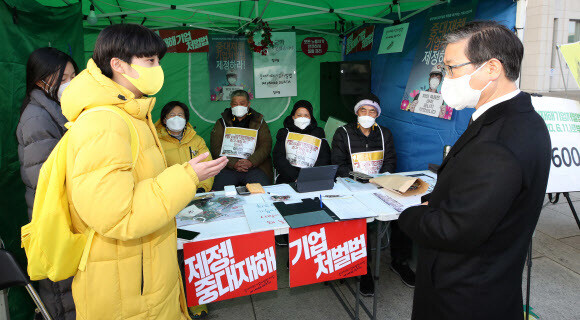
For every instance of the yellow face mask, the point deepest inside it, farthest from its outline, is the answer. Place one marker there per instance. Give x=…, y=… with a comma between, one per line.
x=150, y=80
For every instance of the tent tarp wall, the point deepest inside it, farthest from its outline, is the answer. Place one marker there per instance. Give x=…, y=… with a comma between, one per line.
x=22, y=32
x=419, y=139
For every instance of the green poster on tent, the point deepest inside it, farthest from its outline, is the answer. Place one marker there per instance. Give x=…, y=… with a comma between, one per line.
x=393, y=38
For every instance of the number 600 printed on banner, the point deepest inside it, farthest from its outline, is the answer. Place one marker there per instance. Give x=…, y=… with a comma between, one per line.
x=226, y=268
x=327, y=252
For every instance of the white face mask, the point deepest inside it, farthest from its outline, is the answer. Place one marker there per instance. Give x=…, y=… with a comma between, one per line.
x=232, y=80
x=366, y=121
x=302, y=122
x=175, y=123
x=434, y=83
x=61, y=89
x=239, y=111
x=458, y=94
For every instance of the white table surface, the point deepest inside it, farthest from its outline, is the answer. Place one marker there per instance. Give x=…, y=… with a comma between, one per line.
x=239, y=226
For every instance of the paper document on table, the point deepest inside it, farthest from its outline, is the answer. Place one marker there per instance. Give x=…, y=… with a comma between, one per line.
x=347, y=207
x=280, y=192
x=280, y=189
x=263, y=217
x=397, y=202
x=209, y=210
x=355, y=186
x=373, y=203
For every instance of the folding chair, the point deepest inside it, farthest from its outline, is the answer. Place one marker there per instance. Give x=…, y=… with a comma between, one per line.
x=11, y=275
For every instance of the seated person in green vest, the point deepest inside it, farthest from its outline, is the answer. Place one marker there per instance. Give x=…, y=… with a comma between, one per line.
x=179, y=140
x=300, y=144
x=366, y=147
x=243, y=136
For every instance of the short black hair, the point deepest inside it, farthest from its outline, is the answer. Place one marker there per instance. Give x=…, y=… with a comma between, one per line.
x=240, y=93
x=488, y=40
x=172, y=104
x=125, y=41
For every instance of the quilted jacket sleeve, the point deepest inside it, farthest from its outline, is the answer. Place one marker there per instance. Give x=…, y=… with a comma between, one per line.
x=104, y=191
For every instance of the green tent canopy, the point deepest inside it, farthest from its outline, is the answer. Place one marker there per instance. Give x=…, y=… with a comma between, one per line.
x=231, y=16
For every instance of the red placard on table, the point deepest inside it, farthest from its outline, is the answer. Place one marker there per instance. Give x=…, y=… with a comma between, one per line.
x=185, y=40
x=360, y=40
x=327, y=252
x=231, y=267
x=314, y=46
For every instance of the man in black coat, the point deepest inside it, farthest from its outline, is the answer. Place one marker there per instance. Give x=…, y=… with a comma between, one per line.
x=474, y=231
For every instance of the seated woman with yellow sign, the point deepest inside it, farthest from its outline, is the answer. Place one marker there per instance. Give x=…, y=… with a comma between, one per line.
x=300, y=144
x=243, y=136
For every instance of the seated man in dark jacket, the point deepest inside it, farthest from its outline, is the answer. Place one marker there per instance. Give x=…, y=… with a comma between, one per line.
x=368, y=148
x=300, y=144
x=243, y=136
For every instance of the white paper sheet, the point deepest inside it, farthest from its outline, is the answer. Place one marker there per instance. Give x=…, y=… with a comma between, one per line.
x=262, y=217
x=348, y=207
x=375, y=204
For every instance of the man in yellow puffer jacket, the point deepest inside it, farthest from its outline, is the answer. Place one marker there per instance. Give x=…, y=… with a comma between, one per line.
x=179, y=140
x=132, y=270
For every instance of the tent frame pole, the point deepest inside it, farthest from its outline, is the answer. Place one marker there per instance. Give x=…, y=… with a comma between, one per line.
x=166, y=7
x=328, y=10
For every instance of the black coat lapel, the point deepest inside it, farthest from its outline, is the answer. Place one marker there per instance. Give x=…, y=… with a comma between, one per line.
x=471, y=132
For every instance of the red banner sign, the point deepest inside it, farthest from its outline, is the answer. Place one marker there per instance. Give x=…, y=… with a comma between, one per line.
x=314, y=46
x=226, y=268
x=360, y=40
x=185, y=40
x=327, y=252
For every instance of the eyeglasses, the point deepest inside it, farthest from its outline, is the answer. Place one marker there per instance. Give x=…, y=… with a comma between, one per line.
x=449, y=69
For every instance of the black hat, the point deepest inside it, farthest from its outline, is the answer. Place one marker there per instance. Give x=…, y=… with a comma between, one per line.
x=302, y=104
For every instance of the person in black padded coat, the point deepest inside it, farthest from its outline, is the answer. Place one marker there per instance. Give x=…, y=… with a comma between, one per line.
x=299, y=121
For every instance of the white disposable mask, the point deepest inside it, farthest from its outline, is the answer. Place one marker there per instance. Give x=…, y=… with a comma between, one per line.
x=61, y=89
x=458, y=94
x=232, y=80
x=239, y=111
x=176, y=123
x=302, y=122
x=366, y=121
x=434, y=83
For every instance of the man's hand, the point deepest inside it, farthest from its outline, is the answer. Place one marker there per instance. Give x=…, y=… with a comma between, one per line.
x=426, y=203
x=208, y=169
x=245, y=164
x=238, y=166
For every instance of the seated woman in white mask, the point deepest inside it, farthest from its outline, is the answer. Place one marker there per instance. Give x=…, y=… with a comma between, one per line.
x=300, y=144
x=179, y=139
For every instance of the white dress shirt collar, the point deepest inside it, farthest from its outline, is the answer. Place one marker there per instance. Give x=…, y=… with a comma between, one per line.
x=486, y=106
